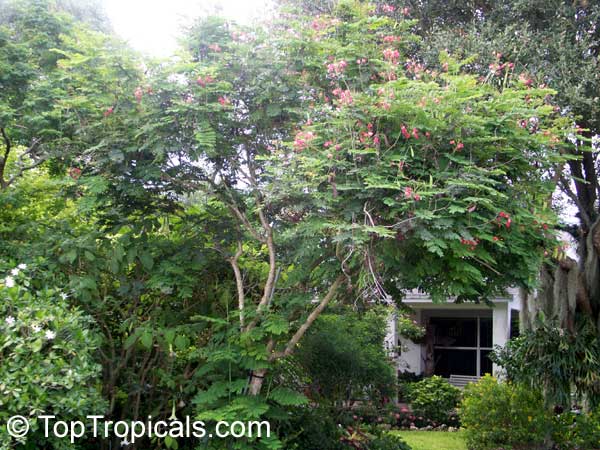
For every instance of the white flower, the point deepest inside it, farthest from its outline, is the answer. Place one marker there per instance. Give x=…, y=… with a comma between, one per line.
x=36, y=328
x=15, y=272
x=10, y=320
x=50, y=335
x=124, y=443
x=9, y=282
x=63, y=295
x=22, y=266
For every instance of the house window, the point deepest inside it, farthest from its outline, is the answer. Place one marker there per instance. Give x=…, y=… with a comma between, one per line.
x=462, y=345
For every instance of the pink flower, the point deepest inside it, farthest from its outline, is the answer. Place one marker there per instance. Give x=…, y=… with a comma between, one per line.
x=408, y=192
x=376, y=140
x=391, y=55
x=203, y=81
x=109, y=111
x=303, y=139
x=336, y=68
x=460, y=146
x=405, y=132
x=138, y=94
x=415, y=133
x=389, y=9
x=345, y=96
x=224, y=101
x=327, y=144
x=391, y=39
x=215, y=48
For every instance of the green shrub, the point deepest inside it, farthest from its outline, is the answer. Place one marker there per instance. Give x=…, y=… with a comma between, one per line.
x=388, y=441
x=312, y=429
x=46, y=359
x=405, y=381
x=500, y=415
x=433, y=399
x=344, y=356
x=577, y=431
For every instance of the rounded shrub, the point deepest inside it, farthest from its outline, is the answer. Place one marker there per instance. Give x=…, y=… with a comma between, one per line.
x=433, y=399
x=503, y=415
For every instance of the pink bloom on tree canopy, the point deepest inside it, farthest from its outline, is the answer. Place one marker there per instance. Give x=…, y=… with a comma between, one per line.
x=390, y=39
x=408, y=192
x=302, y=139
x=138, y=94
x=415, y=133
x=327, y=144
x=337, y=68
x=215, y=48
x=224, y=101
x=389, y=9
x=203, y=81
x=405, y=132
x=109, y=111
x=391, y=55
x=460, y=146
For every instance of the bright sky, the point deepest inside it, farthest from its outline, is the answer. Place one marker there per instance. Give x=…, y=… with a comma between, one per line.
x=152, y=26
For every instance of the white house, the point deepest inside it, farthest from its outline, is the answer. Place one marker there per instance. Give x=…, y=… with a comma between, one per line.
x=459, y=335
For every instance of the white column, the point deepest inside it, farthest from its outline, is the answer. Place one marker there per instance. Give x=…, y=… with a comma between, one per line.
x=500, y=327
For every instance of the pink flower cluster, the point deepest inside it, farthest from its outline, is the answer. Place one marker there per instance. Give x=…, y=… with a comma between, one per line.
x=388, y=9
x=407, y=134
x=391, y=55
x=498, y=68
x=409, y=193
x=203, y=81
x=138, y=94
x=302, y=140
x=526, y=80
x=459, y=145
x=336, y=68
x=391, y=39
x=414, y=67
x=344, y=96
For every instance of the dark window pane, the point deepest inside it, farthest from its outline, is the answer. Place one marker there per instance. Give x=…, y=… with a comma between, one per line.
x=486, y=362
x=455, y=362
x=455, y=332
x=514, y=323
x=485, y=332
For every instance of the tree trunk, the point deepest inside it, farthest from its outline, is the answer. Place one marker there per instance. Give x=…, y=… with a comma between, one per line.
x=256, y=381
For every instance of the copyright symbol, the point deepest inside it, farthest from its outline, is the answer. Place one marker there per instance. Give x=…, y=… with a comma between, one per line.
x=17, y=426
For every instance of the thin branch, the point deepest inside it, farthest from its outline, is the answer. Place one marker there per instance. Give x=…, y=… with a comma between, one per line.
x=291, y=345
x=239, y=282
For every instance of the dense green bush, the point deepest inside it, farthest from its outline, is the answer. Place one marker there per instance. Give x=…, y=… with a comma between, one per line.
x=312, y=429
x=388, y=441
x=345, y=358
x=405, y=381
x=574, y=431
x=434, y=399
x=46, y=358
x=498, y=414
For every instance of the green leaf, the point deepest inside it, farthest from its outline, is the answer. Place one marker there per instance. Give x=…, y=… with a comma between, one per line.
x=287, y=397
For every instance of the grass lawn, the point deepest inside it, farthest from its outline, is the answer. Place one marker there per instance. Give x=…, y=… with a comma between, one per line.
x=433, y=440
